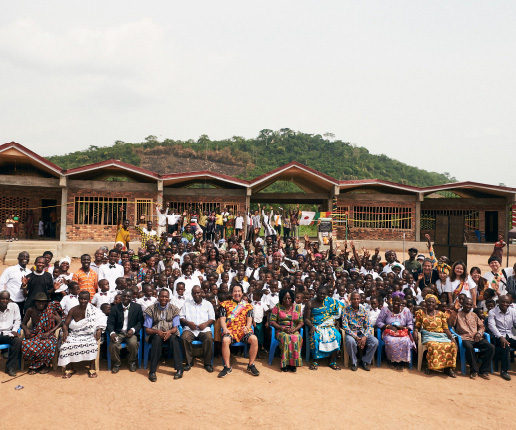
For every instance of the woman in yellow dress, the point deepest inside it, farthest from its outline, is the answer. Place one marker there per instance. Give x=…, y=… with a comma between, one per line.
x=435, y=335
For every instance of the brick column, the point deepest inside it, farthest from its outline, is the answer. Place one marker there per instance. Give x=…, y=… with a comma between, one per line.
x=419, y=198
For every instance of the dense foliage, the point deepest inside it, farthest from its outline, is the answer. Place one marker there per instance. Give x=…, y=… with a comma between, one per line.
x=269, y=150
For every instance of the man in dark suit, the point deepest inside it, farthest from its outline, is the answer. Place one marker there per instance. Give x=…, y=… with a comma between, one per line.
x=124, y=323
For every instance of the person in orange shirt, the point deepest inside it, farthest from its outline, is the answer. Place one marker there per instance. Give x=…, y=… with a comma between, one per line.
x=86, y=277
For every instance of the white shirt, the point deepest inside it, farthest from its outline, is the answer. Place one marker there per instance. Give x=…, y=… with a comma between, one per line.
x=259, y=309
x=111, y=274
x=100, y=298
x=162, y=217
x=239, y=222
x=11, y=281
x=189, y=284
x=173, y=219
x=502, y=285
x=271, y=299
x=198, y=314
x=145, y=302
x=178, y=301
x=95, y=267
x=126, y=318
x=466, y=289
x=446, y=288
x=10, y=320
x=68, y=302
x=370, y=272
x=388, y=267
x=373, y=316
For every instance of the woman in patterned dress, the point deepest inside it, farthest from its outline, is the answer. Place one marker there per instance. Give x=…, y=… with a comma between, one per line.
x=396, y=324
x=287, y=320
x=441, y=347
x=40, y=343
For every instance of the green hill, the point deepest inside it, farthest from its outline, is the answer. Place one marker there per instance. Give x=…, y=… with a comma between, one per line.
x=248, y=158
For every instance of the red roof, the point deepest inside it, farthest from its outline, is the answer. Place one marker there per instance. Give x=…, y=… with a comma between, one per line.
x=201, y=173
x=38, y=158
x=111, y=163
x=380, y=182
x=288, y=166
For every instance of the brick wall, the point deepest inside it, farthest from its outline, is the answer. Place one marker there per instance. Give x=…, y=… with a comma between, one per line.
x=83, y=232
x=376, y=233
x=23, y=199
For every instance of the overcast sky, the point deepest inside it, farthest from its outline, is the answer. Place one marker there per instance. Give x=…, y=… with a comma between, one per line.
x=429, y=83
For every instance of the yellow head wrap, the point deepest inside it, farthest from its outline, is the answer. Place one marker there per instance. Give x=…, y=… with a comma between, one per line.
x=432, y=296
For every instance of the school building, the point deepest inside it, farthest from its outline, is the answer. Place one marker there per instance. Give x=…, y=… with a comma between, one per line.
x=83, y=202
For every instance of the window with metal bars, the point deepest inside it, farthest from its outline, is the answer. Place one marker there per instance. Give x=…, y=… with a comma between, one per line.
x=201, y=207
x=98, y=210
x=383, y=217
x=340, y=217
x=471, y=218
x=144, y=207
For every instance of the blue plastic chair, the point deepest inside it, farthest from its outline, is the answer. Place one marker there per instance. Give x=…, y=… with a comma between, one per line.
x=146, y=350
x=239, y=343
x=275, y=343
x=108, y=341
x=462, y=351
x=479, y=235
x=198, y=342
x=381, y=344
x=7, y=346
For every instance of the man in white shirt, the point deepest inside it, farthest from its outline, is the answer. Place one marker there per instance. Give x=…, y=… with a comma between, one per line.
x=112, y=270
x=162, y=219
x=197, y=315
x=10, y=321
x=173, y=222
x=497, y=277
x=11, y=279
x=390, y=258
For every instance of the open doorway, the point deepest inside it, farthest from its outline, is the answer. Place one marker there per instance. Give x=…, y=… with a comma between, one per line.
x=491, y=227
x=49, y=213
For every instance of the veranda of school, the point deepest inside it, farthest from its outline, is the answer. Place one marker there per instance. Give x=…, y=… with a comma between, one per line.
x=86, y=199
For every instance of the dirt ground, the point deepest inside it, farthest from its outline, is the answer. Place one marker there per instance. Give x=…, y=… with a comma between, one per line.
x=323, y=399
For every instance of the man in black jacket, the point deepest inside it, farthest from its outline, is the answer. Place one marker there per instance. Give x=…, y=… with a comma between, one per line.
x=124, y=324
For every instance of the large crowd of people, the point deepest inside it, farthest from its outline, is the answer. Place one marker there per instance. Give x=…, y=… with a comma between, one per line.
x=200, y=279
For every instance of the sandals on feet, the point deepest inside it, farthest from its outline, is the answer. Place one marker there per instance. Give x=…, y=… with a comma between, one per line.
x=44, y=370
x=92, y=374
x=314, y=366
x=32, y=371
x=67, y=374
x=334, y=366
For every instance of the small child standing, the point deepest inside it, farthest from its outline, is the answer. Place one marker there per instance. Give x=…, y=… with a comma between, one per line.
x=72, y=299
x=259, y=310
x=374, y=311
x=103, y=296
x=147, y=299
x=41, y=228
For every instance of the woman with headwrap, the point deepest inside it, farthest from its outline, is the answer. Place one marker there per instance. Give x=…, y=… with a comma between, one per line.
x=396, y=324
x=435, y=335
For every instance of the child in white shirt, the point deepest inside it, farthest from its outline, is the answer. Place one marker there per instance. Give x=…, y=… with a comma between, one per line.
x=148, y=299
x=374, y=311
x=259, y=310
x=104, y=295
x=72, y=299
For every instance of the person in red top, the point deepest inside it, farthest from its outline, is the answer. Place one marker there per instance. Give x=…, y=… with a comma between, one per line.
x=86, y=277
x=236, y=319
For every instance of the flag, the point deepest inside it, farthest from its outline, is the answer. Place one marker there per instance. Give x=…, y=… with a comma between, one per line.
x=306, y=218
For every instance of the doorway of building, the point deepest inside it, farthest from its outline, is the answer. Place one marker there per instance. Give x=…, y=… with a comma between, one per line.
x=491, y=227
x=49, y=211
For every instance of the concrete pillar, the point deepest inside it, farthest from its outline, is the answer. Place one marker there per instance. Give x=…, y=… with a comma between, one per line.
x=419, y=199
x=159, y=199
x=247, y=205
x=63, y=183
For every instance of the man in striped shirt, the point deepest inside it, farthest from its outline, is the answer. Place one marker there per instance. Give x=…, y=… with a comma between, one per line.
x=86, y=277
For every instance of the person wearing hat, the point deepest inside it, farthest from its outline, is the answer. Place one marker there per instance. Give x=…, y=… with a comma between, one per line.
x=40, y=343
x=412, y=265
x=39, y=281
